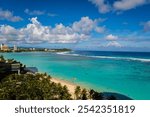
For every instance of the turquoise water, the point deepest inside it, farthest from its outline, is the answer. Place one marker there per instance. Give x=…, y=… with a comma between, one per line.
x=128, y=76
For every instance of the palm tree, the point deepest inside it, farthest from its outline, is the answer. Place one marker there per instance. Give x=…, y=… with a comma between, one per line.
x=91, y=93
x=84, y=94
x=64, y=95
x=77, y=92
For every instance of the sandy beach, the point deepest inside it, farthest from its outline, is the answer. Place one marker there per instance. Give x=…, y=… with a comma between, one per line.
x=71, y=86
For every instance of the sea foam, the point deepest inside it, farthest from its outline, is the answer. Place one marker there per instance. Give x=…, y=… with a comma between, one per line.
x=105, y=57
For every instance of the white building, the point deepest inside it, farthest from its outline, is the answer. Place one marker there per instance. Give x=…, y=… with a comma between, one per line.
x=2, y=46
x=15, y=48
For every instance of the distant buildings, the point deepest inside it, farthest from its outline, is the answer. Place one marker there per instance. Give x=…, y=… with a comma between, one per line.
x=15, y=48
x=1, y=46
x=4, y=47
x=46, y=49
x=32, y=49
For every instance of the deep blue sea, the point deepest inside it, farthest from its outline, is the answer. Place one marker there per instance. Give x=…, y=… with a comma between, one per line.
x=127, y=73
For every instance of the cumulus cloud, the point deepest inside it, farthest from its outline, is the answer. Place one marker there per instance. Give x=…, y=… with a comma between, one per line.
x=113, y=44
x=35, y=32
x=102, y=6
x=86, y=25
x=111, y=37
x=9, y=34
x=112, y=41
x=118, y=5
x=129, y=4
x=147, y=26
x=9, y=16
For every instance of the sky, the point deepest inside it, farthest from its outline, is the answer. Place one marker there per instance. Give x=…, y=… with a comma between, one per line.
x=111, y=25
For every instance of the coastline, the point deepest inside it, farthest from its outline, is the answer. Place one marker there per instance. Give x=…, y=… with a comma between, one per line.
x=66, y=80
x=71, y=86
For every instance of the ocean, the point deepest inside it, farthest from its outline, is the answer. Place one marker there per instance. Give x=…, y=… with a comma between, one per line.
x=127, y=73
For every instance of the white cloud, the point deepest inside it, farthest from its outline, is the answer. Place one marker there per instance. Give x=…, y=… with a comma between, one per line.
x=112, y=41
x=102, y=6
x=100, y=29
x=118, y=5
x=128, y=4
x=147, y=26
x=9, y=16
x=35, y=32
x=34, y=12
x=111, y=37
x=38, y=12
x=113, y=44
x=86, y=25
x=8, y=34
x=7, y=30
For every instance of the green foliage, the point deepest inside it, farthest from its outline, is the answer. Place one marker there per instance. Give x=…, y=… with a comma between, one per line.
x=84, y=95
x=2, y=58
x=32, y=87
x=91, y=93
x=77, y=92
x=97, y=96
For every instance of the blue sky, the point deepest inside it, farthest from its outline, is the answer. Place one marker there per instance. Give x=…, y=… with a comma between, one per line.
x=113, y=25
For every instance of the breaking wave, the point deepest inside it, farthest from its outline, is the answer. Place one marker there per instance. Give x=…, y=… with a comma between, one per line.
x=105, y=57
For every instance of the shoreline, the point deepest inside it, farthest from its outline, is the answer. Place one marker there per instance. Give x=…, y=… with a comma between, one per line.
x=71, y=86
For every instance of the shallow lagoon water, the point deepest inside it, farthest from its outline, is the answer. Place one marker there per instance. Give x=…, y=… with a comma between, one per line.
x=128, y=73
